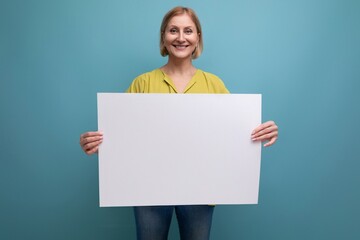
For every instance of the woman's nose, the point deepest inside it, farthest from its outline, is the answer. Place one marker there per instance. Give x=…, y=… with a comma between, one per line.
x=181, y=36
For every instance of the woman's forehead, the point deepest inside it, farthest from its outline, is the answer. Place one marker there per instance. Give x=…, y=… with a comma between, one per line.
x=183, y=20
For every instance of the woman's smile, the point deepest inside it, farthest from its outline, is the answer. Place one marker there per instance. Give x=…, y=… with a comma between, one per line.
x=180, y=47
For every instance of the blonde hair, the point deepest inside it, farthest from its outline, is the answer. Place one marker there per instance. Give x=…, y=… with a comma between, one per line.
x=175, y=12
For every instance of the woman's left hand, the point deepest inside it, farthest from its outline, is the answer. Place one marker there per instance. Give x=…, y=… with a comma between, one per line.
x=267, y=131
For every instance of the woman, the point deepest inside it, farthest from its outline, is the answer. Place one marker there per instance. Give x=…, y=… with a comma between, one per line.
x=180, y=40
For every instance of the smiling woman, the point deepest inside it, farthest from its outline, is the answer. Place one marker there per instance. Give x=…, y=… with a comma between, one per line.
x=181, y=37
x=191, y=28
x=181, y=41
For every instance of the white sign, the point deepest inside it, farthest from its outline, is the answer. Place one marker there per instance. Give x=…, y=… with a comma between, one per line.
x=178, y=149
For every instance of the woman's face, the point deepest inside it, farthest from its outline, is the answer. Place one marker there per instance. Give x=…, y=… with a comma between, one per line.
x=180, y=37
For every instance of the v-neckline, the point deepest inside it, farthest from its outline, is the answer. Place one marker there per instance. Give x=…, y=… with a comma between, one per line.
x=192, y=81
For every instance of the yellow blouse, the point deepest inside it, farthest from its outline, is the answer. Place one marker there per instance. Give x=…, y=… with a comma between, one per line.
x=157, y=81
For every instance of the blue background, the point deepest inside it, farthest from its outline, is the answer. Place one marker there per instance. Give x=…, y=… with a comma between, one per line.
x=302, y=55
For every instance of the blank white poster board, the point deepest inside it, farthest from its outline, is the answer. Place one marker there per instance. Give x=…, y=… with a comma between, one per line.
x=178, y=149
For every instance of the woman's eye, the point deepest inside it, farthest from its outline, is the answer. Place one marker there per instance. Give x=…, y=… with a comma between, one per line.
x=173, y=30
x=188, y=31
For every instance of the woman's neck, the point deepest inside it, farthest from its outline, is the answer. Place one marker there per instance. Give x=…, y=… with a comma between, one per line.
x=180, y=66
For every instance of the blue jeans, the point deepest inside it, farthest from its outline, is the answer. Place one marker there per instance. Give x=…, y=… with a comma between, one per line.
x=153, y=223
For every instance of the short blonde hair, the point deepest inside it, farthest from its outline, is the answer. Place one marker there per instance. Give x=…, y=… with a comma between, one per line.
x=175, y=12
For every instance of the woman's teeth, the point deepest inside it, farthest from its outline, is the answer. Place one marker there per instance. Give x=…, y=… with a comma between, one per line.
x=180, y=46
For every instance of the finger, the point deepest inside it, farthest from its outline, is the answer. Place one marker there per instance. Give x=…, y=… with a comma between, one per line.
x=266, y=136
x=271, y=142
x=91, y=134
x=265, y=131
x=92, y=151
x=87, y=140
x=90, y=146
x=263, y=126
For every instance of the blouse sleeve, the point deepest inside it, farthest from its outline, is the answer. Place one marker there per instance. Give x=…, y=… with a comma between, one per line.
x=138, y=85
x=215, y=83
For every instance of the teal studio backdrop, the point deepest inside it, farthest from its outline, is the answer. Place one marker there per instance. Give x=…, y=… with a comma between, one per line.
x=302, y=55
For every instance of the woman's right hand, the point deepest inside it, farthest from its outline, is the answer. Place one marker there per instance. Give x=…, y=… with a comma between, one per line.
x=90, y=142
